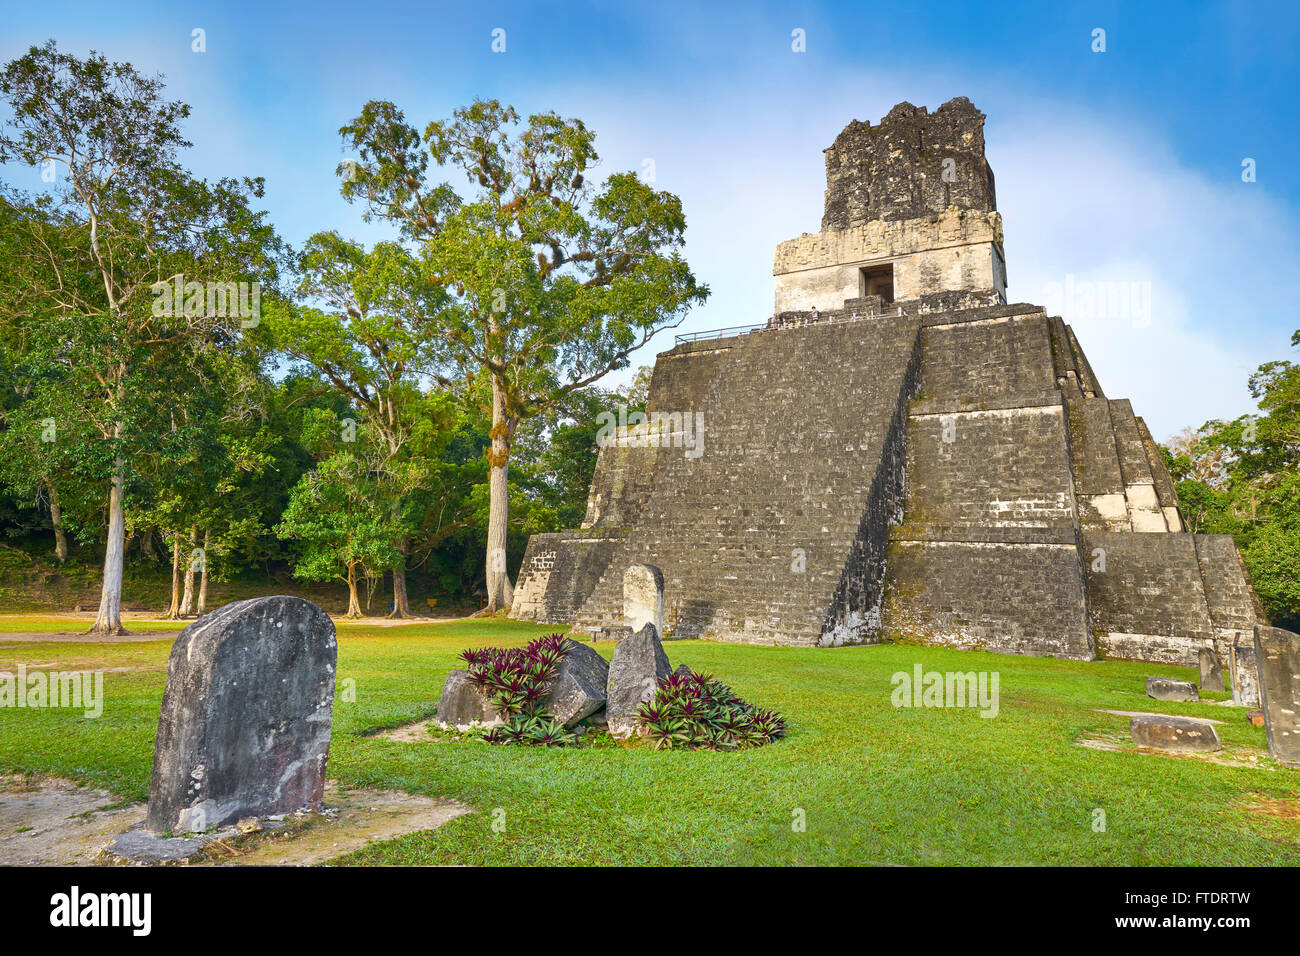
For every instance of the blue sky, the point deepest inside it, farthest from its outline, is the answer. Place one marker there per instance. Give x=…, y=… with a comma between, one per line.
x=1117, y=167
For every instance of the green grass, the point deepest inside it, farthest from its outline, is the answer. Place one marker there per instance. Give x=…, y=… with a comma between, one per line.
x=876, y=784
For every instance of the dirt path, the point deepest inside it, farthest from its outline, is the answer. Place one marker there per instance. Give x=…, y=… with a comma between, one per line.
x=53, y=822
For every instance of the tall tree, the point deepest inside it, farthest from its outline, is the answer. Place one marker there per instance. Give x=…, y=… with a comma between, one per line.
x=364, y=327
x=551, y=281
x=335, y=511
x=112, y=141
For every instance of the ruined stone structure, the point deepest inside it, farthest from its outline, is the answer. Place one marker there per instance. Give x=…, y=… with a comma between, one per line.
x=898, y=454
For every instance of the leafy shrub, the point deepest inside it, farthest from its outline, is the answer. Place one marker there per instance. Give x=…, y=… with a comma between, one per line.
x=541, y=730
x=516, y=680
x=697, y=712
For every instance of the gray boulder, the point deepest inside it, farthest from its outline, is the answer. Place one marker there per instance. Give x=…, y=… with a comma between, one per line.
x=464, y=706
x=578, y=688
x=1166, y=688
x=1182, y=734
x=245, y=724
x=639, y=664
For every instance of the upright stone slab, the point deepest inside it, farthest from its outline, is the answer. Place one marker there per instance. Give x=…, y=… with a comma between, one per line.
x=1277, y=654
x=1245, y=675
x=639, y=664
x=1211, y=670
x=245, y=723
x=643, y=598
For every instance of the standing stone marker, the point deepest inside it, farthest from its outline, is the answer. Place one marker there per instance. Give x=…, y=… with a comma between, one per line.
x=245, y=723
x=1211, y=670
x=639, y=664
x=643, y=598
x=1277, y=653
x=1245, y=675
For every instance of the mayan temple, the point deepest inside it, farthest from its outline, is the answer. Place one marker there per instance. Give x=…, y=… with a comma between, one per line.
x=898, y=454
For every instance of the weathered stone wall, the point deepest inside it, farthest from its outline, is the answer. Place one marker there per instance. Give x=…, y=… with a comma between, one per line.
x=559, y=572
x=987, y=556
x=1147, y=596
x=1023, y=594
x=955, y=250
x=912, y=164
x=977, y=364
x=774, y=533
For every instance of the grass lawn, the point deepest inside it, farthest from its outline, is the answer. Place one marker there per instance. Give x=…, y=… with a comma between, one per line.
x=876, y=783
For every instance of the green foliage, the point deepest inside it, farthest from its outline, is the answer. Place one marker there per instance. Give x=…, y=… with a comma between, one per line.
x=1243, y=478
x=333, y=513
x=536, y=730
x=516, y=680
x=550, y=282
x=697, y=712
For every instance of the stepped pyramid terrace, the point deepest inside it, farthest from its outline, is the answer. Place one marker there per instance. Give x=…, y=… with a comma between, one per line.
x=899, y=453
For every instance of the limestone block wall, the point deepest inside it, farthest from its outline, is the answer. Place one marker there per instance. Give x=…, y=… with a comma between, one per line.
x=912, y=163
x=775, y=533
x=987, y=555
x=1122, y=482
x=956, y=249
x=1147, y=596
x=1012, y=590
x=558, y=573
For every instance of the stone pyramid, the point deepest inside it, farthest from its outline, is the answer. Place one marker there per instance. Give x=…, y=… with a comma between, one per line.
x=897, y=454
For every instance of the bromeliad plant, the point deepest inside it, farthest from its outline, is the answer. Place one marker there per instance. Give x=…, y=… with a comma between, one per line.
x=541, y=730
x=697, y=712
x=516, y=680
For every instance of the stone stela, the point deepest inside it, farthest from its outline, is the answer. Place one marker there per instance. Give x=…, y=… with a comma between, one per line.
x=246, y=715
x=1277, y=653
x=643, y=598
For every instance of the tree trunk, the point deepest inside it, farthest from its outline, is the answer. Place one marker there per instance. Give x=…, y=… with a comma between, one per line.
x=174, y=611
x=354, y=605
x=203, y=575
x=56, y=519
x=109, y=618
x=147, y=545
x=187, y=602
x=500, y=592
x=401, y=604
